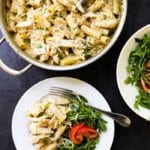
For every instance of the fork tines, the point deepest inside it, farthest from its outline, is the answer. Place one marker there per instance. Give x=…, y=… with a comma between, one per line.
x=58, y=91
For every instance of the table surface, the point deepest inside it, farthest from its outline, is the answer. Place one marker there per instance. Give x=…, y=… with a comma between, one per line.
x=101, y=74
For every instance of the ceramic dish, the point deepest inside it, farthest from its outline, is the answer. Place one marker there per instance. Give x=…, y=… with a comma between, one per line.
x=38, y=91
x=129, y=92
x=11, y=42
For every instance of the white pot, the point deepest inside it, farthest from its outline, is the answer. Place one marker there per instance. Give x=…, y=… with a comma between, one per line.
x=11, y=42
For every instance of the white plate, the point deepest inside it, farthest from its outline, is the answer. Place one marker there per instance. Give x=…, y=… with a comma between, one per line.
x=39, y=90
x=129, y=92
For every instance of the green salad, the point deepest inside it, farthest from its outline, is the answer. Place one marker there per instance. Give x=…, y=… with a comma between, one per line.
x=81, y=113
x=139, y=71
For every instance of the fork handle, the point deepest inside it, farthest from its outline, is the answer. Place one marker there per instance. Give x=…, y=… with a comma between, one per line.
x=118, y=118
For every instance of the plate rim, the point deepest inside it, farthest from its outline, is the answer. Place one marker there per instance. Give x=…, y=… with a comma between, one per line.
x=51, y=78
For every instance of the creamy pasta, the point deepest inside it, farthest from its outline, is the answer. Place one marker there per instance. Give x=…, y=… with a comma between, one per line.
x=48, y=121
x=62, y=32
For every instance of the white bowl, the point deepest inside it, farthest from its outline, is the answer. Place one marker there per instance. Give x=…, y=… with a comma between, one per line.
x=129, y=92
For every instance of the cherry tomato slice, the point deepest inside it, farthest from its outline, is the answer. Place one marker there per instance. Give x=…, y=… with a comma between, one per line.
x=147, y=65
x=78, y=132
x=88, y=132
x=145, y=87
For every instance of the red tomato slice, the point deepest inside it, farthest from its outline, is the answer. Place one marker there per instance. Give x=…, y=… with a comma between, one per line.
x=78, y=132
x=147, y=65
x=76, y=138
x=79, y=138
x=145, y=87
x=88, y=132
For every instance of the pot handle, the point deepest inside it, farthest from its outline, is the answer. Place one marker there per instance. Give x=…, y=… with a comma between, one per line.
x=9, y=70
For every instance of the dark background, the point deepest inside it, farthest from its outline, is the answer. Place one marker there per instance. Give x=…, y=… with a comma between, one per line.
x=101, y=74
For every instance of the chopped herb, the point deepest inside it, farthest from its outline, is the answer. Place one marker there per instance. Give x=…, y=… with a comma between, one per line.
x=39, y=46
x=41, y=28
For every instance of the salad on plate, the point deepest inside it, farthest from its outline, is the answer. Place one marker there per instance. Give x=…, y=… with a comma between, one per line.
x=139, y=71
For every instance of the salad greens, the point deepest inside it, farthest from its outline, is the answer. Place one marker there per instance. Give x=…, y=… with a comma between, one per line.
x=85, y=114
x=136, y=70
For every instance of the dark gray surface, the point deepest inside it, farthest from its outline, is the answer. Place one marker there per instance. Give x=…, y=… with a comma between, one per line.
x=101, y=74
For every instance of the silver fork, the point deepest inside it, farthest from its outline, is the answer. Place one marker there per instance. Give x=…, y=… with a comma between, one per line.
x=118, y=118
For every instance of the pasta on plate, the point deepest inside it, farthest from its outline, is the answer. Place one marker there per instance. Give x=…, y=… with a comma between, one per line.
x=62, y=32
x=47, y=122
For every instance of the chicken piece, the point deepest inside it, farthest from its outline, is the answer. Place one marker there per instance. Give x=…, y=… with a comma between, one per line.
x=51, y=109
x=25, y=24
x=37, y=109
x=38, y=35
x=56, y=42
x=39, y=48
x=60, y=30
x=35, y=129
x=78, y=43
x=65, y=43
x=36, y=138
x=33, y=119
x=60, y=116
x=18, y=6
x=63, y=109
x=57, y=100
